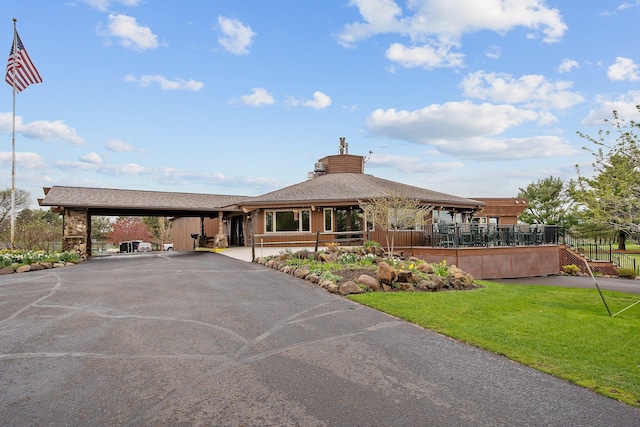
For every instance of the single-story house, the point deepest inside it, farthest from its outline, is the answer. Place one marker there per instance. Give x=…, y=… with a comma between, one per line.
x=327, y=206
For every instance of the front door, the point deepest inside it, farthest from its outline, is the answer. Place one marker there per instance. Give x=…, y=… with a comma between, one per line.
x=236, y=231
x=348, y=219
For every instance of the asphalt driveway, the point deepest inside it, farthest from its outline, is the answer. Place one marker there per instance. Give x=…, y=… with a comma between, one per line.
x=186, y=339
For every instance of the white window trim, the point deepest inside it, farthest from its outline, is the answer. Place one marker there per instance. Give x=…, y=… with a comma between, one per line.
x=324, y=221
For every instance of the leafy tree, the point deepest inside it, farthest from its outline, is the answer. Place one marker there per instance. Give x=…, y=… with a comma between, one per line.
x=394, y=213
x=161, y=229
x=549, y=202
x=128, y=228
x=611, y=197
x=38, y=230
x=100, y=227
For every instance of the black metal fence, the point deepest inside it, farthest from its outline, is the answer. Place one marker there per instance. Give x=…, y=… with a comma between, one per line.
x=599, y=252
x=488, y=235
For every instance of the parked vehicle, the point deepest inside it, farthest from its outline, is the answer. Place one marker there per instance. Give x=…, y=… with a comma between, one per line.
x=129, y=246
x=167, y=246
x=145, y=247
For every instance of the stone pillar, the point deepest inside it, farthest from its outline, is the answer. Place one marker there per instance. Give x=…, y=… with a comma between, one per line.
x=76, y=226
x=221, y=239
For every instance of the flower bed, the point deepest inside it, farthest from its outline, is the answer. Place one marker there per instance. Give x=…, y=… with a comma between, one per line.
x=24, y=260
x=368, y=269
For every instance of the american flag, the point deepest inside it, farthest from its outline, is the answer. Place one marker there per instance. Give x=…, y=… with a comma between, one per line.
x=20, y=70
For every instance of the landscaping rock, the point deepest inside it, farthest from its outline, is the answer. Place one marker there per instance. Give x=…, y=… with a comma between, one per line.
x=425, y=267
x=59, y=264
x=46, y=264
x=313, y=278
x=407, y=276
x=23, y=269
x=325, y=258
x=370, y=282
x=348, y=288
x=301, y=273
x=386, y=273
x=332, y=287
x=36, y=266
x=407, y=287
x=7, y=270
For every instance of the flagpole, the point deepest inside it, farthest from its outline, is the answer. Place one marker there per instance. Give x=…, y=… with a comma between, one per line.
x=13, y=138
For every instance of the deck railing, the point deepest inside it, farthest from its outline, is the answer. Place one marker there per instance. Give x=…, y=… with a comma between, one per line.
x=489, y=235
x=599, y=252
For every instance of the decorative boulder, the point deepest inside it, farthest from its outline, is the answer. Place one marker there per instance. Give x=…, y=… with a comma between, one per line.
x=7, y=270
x=301, y=273
x=23, y=269
x=332, y=287
x=386, y=273
x=325, y=258
x=407, y=277
x=407, y=287
x=370, y=282
x=425, y=267
x=349, y=287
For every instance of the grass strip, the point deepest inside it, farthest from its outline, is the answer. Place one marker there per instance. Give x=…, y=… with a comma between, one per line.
x=565, y=332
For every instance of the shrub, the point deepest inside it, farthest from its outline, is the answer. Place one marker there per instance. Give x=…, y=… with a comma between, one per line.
x=441, y=269
x=371, y=244
x=571, y=269
x=628, y=273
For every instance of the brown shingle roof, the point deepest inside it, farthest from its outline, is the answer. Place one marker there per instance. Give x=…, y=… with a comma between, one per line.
x=107, y=201
x=351, y=187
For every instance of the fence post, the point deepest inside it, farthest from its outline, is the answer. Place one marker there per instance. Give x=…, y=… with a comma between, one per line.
x=253, y=247
x=317, y=240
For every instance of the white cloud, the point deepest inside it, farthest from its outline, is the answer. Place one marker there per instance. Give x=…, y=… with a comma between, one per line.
x=319, y=102
x=467, y=130
x=424, y=56
x=164, y=83
x=161, y=175
x=24, y=159
x=119, y=146
x=103, y=5
x=625, y=105
x=131, y=34
x=567, y=65
x=622, y=7
x=42, y=130
x=259, y=96
x=623, y=69
x=434, y=27
x=532, y=90
x=494, y=52
x=91, y=158
x=411, y=164
x=236, y=37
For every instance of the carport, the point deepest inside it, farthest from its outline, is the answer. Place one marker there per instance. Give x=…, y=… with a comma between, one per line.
x=78, y=204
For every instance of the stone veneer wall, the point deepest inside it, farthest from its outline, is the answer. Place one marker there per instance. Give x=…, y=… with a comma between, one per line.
x=76, y=228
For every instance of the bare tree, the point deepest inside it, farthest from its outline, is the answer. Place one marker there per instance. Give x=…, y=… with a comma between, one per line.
x=23, y=200
x=391, y=214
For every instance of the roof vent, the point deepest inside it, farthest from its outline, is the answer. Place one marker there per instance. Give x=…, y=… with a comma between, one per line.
x=311, y=175
x=319, y=167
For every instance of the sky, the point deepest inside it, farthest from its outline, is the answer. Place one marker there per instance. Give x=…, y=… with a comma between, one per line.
x=467, y=97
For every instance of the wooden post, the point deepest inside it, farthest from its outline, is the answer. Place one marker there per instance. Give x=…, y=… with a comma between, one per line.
x=253, y=247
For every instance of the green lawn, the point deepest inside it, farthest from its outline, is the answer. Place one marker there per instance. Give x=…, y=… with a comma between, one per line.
x=563, y=331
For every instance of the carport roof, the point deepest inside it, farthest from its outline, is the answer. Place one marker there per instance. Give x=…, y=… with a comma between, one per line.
x=111, y=202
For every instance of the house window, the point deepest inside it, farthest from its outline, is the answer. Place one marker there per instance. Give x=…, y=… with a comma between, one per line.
x=328, y=219
x=287, y=221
